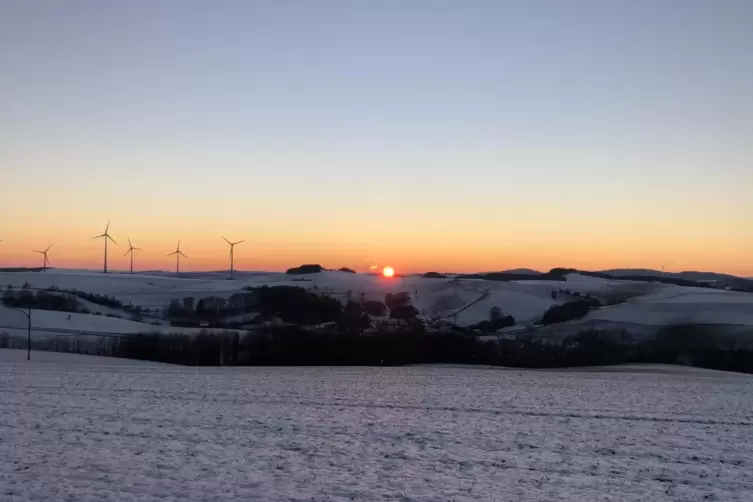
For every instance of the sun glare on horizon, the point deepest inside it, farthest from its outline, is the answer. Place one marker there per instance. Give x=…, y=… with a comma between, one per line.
x=388, y=271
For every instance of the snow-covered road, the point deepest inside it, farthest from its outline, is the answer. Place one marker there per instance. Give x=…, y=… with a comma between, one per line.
x=72, y=431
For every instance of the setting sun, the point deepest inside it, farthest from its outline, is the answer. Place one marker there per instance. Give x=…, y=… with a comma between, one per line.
x=388, y=272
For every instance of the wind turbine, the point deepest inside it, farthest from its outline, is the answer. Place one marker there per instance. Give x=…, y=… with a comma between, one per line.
x=232, y=246
x=131, y=249
x=46, y=260
x=106, y=236
x=178, y=253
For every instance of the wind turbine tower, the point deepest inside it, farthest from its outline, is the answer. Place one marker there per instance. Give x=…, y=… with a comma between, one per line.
x=178, y=253
x=46, y=260
x=232, y=247
x=131, y=249
x=107, y=237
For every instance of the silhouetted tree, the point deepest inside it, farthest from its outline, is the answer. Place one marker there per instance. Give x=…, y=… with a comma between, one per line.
x=296, y=305
x=404, y=312
x=305, y=269
x=396, y=300
x=375, y=308
x=351, y=319
x=568, y=311
x=494, y=324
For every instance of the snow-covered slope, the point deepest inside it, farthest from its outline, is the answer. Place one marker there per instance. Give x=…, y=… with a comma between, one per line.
x=139, y=289
x=467, y=301
x=47, y=323
x=682, y=305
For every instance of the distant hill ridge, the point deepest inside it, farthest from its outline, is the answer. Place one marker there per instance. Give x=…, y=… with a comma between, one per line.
x=522, y=271
x=689, y=278
x=689, y=275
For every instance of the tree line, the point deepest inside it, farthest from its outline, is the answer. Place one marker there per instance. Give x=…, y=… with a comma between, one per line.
x=292, y=345
x=61, y=300
x=290, y=304
x=25, y=298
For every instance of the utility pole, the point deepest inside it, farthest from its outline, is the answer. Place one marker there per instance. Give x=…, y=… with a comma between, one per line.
x=28, y=331
x=28, y=335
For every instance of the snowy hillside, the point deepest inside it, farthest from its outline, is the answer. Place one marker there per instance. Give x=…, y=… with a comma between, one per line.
x=46, y=323
x=682, y=305
x=463, y=301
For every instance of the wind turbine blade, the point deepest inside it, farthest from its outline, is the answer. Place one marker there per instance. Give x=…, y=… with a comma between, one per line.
x=126, y=253
x=174, y=252
x=49, y=248
x=42, y=252
x=113, y=240
x=98, y=236
x=239, y=242
x=227, y=240
x=181, y=253
x=137, y=249
x=107, y=227
x=129, y=243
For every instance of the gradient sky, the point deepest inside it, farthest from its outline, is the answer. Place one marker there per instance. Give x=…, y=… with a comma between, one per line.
x=429, y=135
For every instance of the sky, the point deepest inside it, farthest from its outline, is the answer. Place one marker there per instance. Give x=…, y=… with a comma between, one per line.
x=427, y=135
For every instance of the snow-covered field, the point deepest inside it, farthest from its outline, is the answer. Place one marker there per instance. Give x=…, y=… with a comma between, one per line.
x=682, y=305
x=99, y=432
x=465, y=302
x=47, y=323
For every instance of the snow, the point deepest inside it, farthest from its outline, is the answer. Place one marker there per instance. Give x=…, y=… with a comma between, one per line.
x=465, y=301
x=47, y=323
x=644, y=368
x=139, y=289
x=125, y=433
x=524, y=307
x=670, y=304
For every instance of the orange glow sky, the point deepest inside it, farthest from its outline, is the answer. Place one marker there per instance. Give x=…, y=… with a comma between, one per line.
x=589, y=134
x=410, y=245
